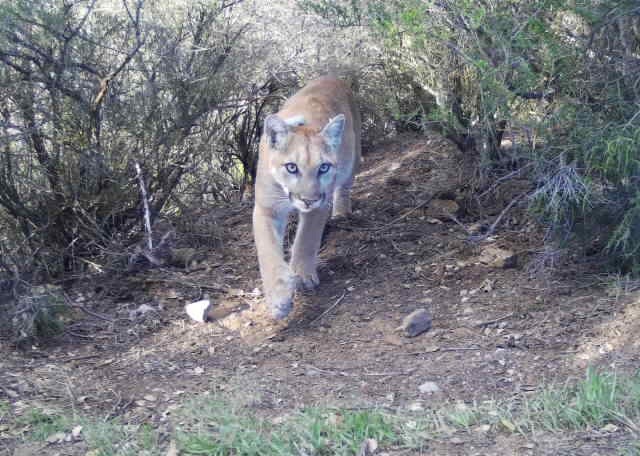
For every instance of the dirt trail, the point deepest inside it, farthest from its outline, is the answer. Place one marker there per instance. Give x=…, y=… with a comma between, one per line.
x=496, y=332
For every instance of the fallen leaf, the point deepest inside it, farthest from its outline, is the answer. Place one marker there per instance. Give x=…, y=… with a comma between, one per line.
x=508, y=424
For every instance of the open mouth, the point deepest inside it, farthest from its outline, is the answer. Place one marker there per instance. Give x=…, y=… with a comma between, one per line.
x=305, y=204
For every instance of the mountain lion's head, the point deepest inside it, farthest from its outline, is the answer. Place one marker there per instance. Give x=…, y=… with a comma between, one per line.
x=303, y=160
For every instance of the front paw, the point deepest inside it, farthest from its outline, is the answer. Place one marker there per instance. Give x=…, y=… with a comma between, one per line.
x=280, y=297
x=306, y=276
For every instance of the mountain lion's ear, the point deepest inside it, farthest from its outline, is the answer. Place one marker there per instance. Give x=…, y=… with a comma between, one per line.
x=277, y=131
x=332, y=132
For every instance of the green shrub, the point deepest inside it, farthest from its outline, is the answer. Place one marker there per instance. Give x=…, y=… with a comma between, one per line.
x=560, y=79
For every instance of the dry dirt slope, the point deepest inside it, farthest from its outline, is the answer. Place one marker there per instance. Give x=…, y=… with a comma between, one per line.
x=497, y=333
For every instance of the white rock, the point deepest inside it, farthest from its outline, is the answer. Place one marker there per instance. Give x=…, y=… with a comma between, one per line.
x=196, y=310
x=415, y=407
x=429, y=388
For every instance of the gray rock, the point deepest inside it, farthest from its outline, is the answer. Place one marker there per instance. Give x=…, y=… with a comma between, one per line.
x=415, y=323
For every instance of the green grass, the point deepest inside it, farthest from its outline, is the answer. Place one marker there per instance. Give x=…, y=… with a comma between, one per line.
x=5, y=409
x=213, y=427
x=632, y=450
x=463, y=416
x=38, y=424
x=598, y=399
x=221, y=426
x=112, y=437
x=108, y=437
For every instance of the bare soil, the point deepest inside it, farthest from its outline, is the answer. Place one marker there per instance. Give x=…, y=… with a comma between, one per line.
x=497, y=332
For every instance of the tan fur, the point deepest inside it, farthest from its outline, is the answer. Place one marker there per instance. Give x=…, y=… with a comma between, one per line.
x=329, y=135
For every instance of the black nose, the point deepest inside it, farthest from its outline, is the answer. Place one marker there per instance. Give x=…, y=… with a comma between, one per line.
x=309, y=202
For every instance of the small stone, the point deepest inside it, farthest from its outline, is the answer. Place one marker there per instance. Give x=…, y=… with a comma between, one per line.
x=429, y=388
x=415, y=406
x=173, y=449
x=487, y=285
x=150, y=398
x=182, y=258
x=442, y=207
x=172, y=294
x=497, y=257
x=609, y=428
x=75, y=432
x=415, y=323
x=278, y=420
x=411, y=424
x=368, y=447
x=142, y=310
x=57, y=437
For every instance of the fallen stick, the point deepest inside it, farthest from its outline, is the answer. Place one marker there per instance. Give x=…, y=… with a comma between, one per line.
x=333, y=306
x=497, y=320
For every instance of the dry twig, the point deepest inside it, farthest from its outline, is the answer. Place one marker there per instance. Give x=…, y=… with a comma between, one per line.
x=497, y=320
x=403, y=216
x=334, y=305
x=493, y=226
x=145, y=202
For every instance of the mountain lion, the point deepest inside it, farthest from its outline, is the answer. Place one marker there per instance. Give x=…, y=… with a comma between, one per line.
x=308, y=155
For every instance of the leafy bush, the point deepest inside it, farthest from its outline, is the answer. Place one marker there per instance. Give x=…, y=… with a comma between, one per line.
x=37, y=312
x=559, y=79
x=90, y=92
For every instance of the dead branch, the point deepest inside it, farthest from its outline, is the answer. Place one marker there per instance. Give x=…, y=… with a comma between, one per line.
x=333, y=306
x=145, y=202
x=403, y=216
x=496, y=320
x=492, y=228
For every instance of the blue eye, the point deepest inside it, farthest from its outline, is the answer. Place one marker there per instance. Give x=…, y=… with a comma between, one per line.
x=292, y=168
x=324, y=168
